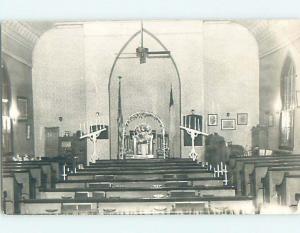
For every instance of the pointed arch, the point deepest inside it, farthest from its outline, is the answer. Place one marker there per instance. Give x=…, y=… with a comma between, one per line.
x=288, y=98
x=112, y=70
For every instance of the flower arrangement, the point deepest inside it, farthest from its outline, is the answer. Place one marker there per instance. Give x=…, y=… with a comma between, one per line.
x=143, y=133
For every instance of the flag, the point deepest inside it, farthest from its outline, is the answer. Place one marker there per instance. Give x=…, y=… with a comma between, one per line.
x=172, y=127
x=120, y=120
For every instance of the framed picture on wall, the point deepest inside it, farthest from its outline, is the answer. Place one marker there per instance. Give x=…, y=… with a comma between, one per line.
x=242, y=118
x=228, y=124
x=212, y=119
x=22, y=104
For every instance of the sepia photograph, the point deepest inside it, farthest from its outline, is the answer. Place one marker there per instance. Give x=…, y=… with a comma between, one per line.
x=150, y=117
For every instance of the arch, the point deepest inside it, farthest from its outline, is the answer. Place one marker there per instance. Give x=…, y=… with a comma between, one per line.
x=141, y=115
x=111, y=74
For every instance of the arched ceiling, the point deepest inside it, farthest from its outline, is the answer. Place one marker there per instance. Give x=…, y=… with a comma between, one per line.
x=270, y=35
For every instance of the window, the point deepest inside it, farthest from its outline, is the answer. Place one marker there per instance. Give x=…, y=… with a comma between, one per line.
x=288, y=94
x=6, y=120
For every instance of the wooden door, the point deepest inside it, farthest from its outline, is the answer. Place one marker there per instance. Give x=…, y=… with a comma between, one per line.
x=51, y=141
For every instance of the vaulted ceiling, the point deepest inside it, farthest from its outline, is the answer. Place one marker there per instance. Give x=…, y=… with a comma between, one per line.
x=270, y=35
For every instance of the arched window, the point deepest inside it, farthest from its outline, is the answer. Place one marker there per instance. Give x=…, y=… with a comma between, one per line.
x=288, y=94
x=6, y=120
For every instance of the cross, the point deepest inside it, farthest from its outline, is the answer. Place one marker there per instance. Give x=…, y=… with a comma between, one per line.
x=193, y=133
x=93, y=137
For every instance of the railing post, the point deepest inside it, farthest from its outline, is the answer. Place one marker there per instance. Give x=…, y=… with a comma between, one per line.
x=64, y=175
x=225, y=175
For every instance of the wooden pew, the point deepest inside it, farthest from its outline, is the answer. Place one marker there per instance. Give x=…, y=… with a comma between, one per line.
x=35, y=171
x=57, y=164
x=146, y=192
x=273, y=177
x=11, y=194
x=204, y=181
x=49, y=169
x=259, y=171
x=249, y=166
x=242, y=167
x=134, y=174
x=287, y=190
x=24, y=177
x=194, y=205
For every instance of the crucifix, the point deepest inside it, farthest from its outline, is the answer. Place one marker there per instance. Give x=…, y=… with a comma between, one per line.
x=193, y=130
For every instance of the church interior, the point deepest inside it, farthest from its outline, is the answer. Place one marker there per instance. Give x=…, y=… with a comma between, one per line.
x=150, y=117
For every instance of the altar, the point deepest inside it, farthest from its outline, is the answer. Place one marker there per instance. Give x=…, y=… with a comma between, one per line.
x=146, y=139
x=143, y=149
x=143, y=142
